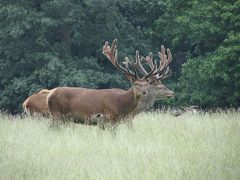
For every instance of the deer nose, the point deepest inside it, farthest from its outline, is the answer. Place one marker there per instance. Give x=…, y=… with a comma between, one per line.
x=144, y=93
x=171, y=94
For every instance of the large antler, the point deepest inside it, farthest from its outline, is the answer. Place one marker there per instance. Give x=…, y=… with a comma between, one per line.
x=162, y=72
x=111, y=53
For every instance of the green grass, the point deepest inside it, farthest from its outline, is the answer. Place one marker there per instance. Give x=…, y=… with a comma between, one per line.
x=159, y=146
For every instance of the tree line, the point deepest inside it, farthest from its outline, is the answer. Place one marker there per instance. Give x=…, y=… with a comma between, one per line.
x=50, y=43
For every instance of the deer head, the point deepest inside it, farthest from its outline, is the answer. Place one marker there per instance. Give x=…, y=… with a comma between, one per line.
x=140, y=86
x=162, y=72
x=150, y=84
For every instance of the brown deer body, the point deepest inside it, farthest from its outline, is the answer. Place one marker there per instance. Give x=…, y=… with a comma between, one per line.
x=36, y=103
x=111, y=104
x=80, y=103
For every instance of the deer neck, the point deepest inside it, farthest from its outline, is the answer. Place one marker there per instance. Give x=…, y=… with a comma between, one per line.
x=144, y=103
x=127, y=103
x=147, y=101
x=133, y=100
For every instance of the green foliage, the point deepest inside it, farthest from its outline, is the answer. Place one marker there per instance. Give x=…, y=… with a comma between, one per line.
x=213, y=80
x=195, y=27
x=45, y=44
x=205, y=35
x=57, y=43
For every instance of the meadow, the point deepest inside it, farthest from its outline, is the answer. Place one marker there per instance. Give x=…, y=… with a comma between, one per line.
x=159, y=146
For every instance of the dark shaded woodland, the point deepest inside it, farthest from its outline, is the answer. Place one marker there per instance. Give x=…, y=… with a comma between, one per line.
x=50, y=43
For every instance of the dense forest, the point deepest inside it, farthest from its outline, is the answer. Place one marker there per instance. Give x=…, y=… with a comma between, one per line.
x=50, y=43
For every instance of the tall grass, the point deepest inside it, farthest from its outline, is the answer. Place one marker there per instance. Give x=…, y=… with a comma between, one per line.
x=159, y=146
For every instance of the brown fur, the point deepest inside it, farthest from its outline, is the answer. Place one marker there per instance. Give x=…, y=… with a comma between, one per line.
x=82, y=103
x=36, y=103
x=157, y=91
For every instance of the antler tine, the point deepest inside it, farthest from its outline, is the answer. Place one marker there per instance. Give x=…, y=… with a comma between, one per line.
x=151, y=64
x=118, y=65
x=138, y=64
x=127, y=62
x=112, y=55
x=169, y=56
x=149, y=60
x=161, y=72
x=167, y=74
x=152, y=72
x=107, y=51
x=163, y=58
x=165, y=61
x=114, y=46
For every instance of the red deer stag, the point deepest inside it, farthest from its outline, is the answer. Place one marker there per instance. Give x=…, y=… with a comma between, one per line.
x=157, y=90
x=112, y=104
x=36, y=103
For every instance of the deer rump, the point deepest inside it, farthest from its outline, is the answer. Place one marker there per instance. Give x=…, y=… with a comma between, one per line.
x=88, y=106
x=36, y=103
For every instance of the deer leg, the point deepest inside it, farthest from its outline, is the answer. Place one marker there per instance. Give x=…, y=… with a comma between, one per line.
x=104, y=121
x=129, y=123
x=57, y=118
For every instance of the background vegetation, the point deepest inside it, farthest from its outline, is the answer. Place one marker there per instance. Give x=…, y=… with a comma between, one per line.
x=50, y=43
x=160, y=146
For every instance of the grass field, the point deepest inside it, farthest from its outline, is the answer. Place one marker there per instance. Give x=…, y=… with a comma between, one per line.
x=159, y=146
